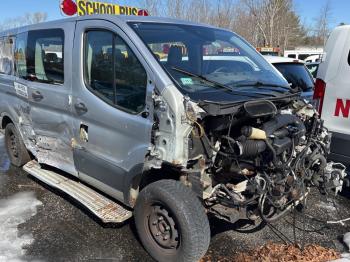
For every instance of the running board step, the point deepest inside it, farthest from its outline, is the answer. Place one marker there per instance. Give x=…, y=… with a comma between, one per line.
x=107, y=210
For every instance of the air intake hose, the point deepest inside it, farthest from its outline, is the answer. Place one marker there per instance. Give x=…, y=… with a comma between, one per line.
x=249, y=148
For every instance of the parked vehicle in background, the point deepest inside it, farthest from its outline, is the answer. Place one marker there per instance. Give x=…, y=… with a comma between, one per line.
x=332, y=91
x=313, y=68
x=272, y=51
x=302, y=53
x=313, y=59
x=295, y=72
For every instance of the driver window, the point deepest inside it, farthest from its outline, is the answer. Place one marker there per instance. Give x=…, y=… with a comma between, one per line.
x=130, y=77
x=113, y=72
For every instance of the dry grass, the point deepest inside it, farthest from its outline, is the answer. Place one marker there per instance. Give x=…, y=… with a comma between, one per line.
x=281, y=253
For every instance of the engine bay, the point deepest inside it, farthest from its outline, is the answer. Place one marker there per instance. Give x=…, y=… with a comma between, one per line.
x=258, y=159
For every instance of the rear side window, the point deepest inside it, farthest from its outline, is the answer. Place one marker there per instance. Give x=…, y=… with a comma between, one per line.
x=349, y=58
x=6, y=56
x=113, y=72
x=40, y=56
x=297, y=75
x=45, y=55
x=20, y=55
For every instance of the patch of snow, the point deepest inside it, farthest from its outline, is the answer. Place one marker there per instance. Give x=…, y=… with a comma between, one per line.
x=345, y=257
x=346, y=239
x=14, y=211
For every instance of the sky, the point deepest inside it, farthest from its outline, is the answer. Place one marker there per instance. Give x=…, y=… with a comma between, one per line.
x=307, y=9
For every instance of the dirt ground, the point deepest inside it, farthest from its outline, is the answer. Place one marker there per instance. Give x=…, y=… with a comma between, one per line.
x=42, y=224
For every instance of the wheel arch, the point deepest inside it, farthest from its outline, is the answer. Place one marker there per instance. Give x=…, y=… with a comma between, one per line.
x=140, y=180
x=5, y=120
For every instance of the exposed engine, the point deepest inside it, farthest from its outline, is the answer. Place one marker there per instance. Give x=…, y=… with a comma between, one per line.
x=261, y=158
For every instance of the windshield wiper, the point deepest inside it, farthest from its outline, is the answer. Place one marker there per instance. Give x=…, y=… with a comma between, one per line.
x=259, y=83
x=202, y=78
x=262, y=86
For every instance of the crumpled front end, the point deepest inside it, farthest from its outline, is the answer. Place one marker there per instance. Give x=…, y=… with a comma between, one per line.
x=255, y=159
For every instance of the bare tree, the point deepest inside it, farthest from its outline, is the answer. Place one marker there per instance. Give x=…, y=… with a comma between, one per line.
x=256, y=10
x=27, y=19
x=176, y=8
x=34, y=18
x=223, y=14
x=261, y=22
x=154, y=7
x=322, y=23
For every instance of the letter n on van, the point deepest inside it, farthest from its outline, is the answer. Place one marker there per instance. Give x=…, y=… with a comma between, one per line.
x=342, y=108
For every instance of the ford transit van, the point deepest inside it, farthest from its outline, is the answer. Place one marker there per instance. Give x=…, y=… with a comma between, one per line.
x=165, y=120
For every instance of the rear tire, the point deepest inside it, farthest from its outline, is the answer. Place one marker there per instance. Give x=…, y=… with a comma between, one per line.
x=15, y=147
x=171, y=222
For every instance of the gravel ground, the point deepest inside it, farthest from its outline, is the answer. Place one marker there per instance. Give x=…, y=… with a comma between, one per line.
x=53, y=227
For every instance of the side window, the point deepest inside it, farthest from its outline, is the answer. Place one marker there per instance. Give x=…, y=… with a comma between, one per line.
x=113, y=72
x=349, y=58
x=6, y=56
x=20, y=55
x=45, y=56
x=292, y=56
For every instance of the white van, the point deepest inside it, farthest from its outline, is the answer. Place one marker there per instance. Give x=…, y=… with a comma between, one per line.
x=303, y=53
x=332, y=90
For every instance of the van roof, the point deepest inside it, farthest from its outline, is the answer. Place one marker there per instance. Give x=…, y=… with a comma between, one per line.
x=112, y=18
x=342, y=28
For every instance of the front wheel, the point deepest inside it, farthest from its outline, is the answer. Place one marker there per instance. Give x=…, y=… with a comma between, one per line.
x=171, y=222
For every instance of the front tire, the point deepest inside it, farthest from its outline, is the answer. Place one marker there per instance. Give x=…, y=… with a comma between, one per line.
x=171, y=222
x=15, y=147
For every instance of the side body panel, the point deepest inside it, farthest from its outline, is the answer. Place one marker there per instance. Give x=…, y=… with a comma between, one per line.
x=45, y=124
x=13, y=106
x=51, y=115
x=115, y=142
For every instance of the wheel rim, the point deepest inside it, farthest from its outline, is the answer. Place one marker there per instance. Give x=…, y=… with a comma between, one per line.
x=13, y=145
x=162, y=228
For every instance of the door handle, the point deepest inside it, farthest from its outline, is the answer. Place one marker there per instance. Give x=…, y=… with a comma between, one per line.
x=80, y=107
x=37, y=96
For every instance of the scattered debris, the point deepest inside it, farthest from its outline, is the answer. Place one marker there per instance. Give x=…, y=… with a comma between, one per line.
x=30, y=186
x=339, y=221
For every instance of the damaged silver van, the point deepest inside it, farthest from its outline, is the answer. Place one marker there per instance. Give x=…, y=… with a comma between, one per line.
x=166, y=120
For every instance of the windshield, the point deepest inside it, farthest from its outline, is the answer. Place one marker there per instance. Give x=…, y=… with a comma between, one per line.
x=204, y=60
x=297, y=75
